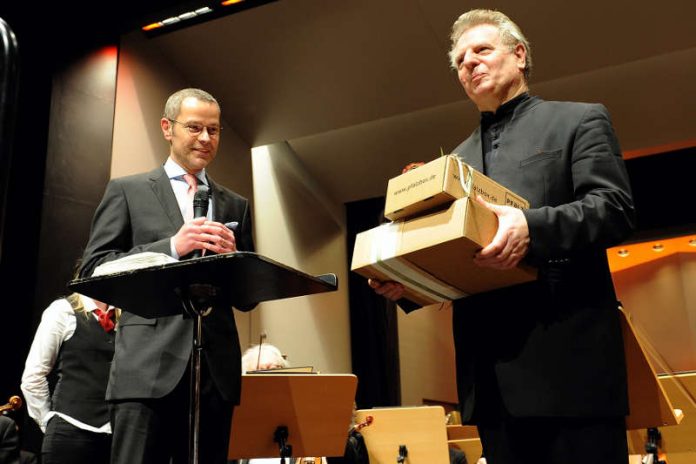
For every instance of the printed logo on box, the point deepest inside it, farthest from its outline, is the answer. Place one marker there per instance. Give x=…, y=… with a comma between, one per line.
x=489, y=197
x=514, y=201
x=415, y=184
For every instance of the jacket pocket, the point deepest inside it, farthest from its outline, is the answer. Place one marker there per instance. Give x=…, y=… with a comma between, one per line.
x=541, y=156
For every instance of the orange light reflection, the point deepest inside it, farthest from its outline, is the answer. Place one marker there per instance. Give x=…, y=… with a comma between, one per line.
x=626, y=256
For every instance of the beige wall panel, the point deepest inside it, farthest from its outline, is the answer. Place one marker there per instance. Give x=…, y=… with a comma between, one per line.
x=426, y=351
x=297, y=225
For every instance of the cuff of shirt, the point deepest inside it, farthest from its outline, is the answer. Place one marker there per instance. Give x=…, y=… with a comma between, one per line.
x=172, y=249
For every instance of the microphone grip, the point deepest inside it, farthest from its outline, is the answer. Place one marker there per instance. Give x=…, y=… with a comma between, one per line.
x=200, y=209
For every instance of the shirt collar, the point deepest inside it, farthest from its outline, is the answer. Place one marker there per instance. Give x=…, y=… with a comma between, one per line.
x=175, y=171
x=89, y=304
x=490, y=117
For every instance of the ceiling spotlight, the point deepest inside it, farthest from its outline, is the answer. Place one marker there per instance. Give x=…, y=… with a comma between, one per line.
x=623, y=252
x=692, y=242
x=152, y=26
x=172, y=20
x=658, y=247
x=177, y=19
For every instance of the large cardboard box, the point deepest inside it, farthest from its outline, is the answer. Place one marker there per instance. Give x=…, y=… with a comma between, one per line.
x=439, y=182
x=431, y=255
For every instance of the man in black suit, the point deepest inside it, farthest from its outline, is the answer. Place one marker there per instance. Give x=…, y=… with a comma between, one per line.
x=149, y=379
x=540, y=366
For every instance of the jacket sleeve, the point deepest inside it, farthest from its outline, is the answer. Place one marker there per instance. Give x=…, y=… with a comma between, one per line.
x=602, y=213
x=111, y=234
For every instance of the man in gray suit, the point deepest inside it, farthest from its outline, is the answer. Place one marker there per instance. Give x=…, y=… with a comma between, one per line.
x=149, y=380
x=540, y=366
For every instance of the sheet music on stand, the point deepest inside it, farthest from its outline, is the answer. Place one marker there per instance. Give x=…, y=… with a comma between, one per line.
x=132, y=262
x=285, y=370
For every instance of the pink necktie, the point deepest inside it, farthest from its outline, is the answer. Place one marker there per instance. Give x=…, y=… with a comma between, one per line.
x=192, y=182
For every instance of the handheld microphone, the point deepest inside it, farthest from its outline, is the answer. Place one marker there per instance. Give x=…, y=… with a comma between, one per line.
x=200, y=208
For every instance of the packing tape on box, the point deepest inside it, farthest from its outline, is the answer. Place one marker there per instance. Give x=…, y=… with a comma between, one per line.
x=417, y=280
x=408, y=274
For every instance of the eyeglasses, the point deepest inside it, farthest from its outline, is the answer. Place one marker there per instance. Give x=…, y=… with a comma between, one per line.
x=197, y=129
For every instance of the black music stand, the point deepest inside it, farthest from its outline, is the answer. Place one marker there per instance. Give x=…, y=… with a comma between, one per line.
x=194, y=287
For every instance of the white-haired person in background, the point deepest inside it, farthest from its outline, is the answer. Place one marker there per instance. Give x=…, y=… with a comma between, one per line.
x=263, y=357
x=260, y=358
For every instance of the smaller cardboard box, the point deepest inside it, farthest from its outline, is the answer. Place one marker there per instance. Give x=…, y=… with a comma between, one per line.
x=439, y=182
x=432, y=255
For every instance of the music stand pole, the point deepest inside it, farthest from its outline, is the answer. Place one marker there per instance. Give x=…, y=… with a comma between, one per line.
x=197, y=308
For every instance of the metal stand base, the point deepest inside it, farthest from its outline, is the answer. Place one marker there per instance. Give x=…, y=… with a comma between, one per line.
x=281, y=437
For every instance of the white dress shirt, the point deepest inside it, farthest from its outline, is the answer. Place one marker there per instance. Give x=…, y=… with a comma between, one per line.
x=57, y=325
x=180, y=187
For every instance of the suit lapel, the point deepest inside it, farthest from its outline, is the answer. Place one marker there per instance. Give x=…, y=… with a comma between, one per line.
x=219, y=200
x=162, y=188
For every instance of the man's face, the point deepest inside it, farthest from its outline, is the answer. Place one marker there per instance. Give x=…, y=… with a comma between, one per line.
x=193, y=152
x=488, y=70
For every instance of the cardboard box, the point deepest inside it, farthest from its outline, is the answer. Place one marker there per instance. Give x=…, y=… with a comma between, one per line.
x=439, y=182
x=431, y=255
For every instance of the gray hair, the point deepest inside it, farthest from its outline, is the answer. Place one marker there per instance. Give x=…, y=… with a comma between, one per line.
x=264, y=352
x=173, y=106
x=510, y=33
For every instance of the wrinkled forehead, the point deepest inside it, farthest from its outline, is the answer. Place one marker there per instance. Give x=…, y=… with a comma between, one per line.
x=474, y=37
x=477, y=33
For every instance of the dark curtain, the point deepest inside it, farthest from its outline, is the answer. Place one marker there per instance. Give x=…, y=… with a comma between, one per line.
x=662, y=194
x=373, y=324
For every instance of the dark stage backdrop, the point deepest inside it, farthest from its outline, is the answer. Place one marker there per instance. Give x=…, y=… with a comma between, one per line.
x=663, y=191
x=373, y=325
x=60, y=165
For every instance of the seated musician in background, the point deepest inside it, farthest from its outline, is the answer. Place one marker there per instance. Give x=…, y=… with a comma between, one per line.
x=263, y=357
x=75, y=343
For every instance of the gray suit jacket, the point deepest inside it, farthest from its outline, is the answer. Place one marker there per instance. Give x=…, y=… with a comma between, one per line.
x=552, y=347
x=140, y=213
